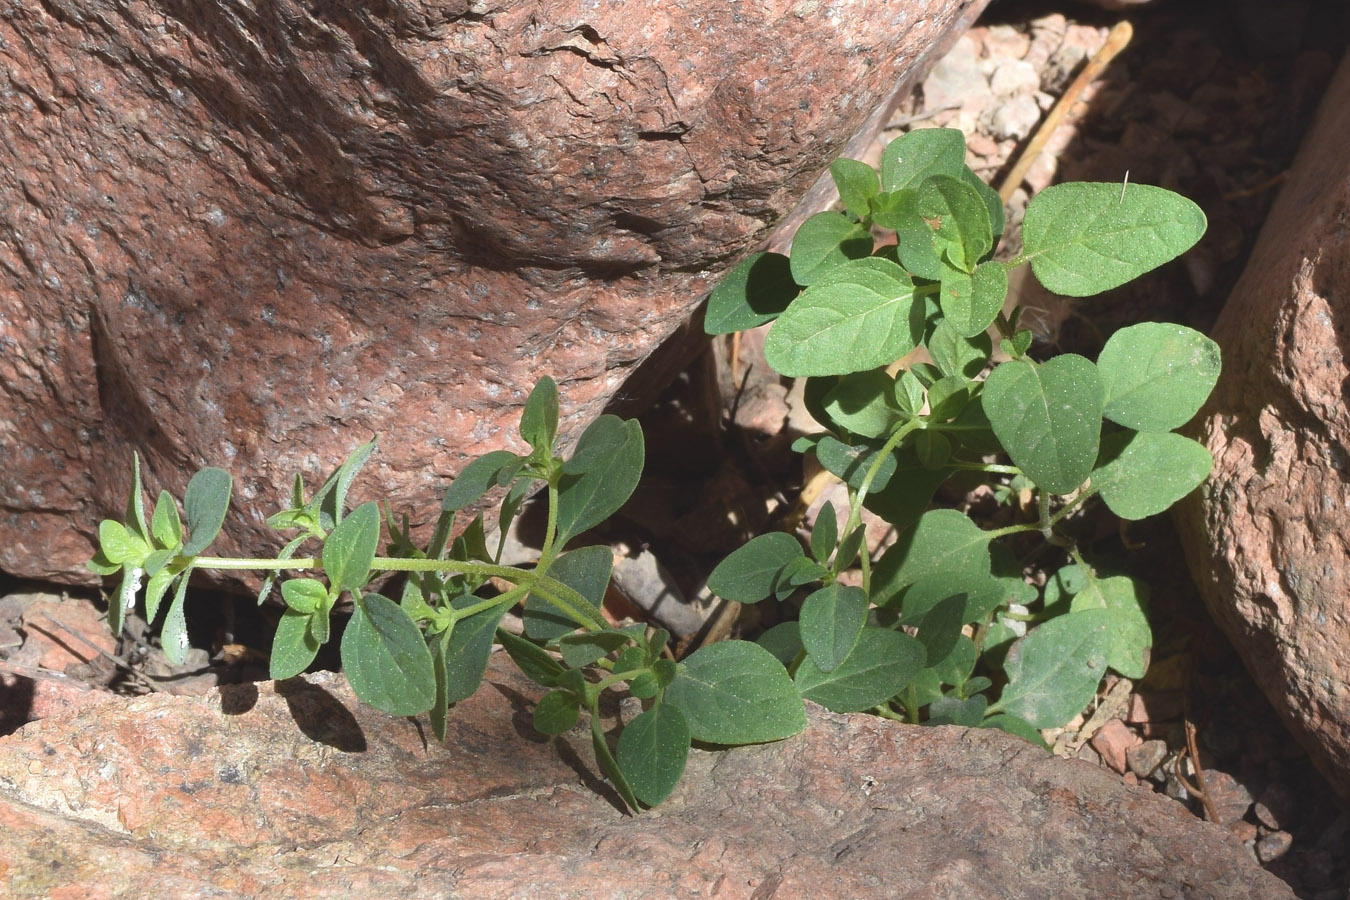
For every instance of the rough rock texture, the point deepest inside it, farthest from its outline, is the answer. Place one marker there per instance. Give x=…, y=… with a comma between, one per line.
x=255, y=235
x=1267, y=535
x=295, y=789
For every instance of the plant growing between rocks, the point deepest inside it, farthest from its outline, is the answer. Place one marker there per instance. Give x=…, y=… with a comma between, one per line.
x=941, y=627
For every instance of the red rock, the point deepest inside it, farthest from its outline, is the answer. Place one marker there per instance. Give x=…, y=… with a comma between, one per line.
x=61, y=633
x=296, y=790
x=1265, y=536
x=1113, y=741
x=257, y=238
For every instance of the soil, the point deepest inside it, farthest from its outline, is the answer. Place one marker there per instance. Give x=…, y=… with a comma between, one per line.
x=1210, y=99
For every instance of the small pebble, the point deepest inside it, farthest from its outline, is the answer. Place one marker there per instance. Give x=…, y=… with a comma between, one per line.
x=1229, y=797
x=1144, y=759
x=1273, y=846
x=1244, y=831
x=1277, y=807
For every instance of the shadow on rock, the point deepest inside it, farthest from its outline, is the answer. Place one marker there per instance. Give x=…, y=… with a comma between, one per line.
x=321, y=716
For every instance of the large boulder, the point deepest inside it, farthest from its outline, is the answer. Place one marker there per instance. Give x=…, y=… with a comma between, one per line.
x=294, y=789
x=257, y=235
x=1267, y=535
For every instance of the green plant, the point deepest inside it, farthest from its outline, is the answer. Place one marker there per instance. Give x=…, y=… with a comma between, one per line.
x=901, y=643
x=430, y=649
x=943, y=628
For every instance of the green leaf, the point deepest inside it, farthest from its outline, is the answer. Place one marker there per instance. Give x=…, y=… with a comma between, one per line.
x=735, y=692
x=1156, y=376
x=205, y=503
x=585, y=570
x=652, y=752
x=883, y=664
x=906, y=496
x=910, y=394
x=863, y=315
x=539, y=418
x=857, y=183
x=824, y=533
x=863, y=403
x=932, y=449
x=537, y=663
x=824, y=242
x=831, y=620
x=979, y=592
x=1129, y=637
x=304, y=595
x=556, y=712
x=155, y=589
x=1048, y=417
x=466, y=658
x=135, y=513
x=968, y=712
x=940, y=629
x=331, y=500
x=784, y=641
x=947, y=397
x=476, y=479
x=955, y=667
x=588, y=498
x=173, y=635
x=913, y=248
x=753, y=571
x=974, y=307
x=385, y=656
x=993, y=203
x=165, y=525
x=1143, y=474
x=1017, y=727
x=350, y=548
x=755, y=292
x=116, y=543
x=293, y=647
x=1084, y=238
x=605, y=760
x=851, y=464
x=911, y=158
x=582, y=649
x=943, y=541
x=1054, y=671
x=957, y=356
x=963, y=234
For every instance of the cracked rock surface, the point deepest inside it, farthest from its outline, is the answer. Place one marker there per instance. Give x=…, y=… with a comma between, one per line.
x=295, y=789
x=255, y=237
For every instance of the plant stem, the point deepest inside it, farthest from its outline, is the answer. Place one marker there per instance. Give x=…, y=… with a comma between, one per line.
x=567, y=600
x=855, y=508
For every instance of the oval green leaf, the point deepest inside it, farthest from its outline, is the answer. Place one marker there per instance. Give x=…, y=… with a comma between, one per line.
x=943, y=541
x=1084, y=238
x=293, y=647
x=883, y=664
x=862, y=316
x=915, y=155
x=831, y=620
x=1156, y=376
x=476, y=479
x=824, y=242
x=350, y=548
x=1048, y=418
x=1130, y=638
x=1143, y=474
x=652, y=752
x=735, y=692
x=205, y=503
x=587, y=498
x=752, y=571
x=755, y=292
x=1054, y=671
x=385, y=657
x=857, y=183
